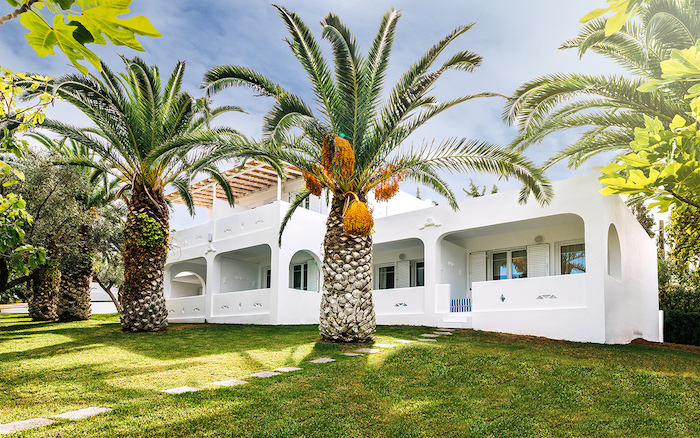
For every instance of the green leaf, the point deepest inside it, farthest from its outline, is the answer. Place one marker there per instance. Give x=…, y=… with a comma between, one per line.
x=678, y=122
x=81, y=34
x=683, y=65
x=635, y=160
x=43, y=38
x=653, y=85
x=103, y=20
x=612, y=167
x=64, y=4
x=621, y=9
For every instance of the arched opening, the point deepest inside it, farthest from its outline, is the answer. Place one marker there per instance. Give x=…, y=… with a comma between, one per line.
x=510, y=253
x=187, y=284
x=398, y=264
x=245, y=269
x=614, y=254
x=187, y=278
x=304, y=273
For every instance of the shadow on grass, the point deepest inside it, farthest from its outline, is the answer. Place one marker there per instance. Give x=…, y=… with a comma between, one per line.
x=466, y=385
x=469, y=384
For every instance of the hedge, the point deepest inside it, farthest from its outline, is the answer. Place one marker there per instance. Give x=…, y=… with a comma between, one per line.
x=682, y=327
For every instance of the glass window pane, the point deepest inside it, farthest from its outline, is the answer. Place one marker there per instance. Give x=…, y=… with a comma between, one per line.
x=386, y=277
x=519, y=264
x=296, y=277
x=268, y=277
x=420, y=274
x=573, y=259
x=500, y=265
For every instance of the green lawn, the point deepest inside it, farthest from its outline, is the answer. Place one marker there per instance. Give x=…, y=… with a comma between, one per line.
x=471, y=384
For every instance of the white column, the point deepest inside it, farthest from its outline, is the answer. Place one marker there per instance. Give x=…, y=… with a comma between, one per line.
x=279, y=188
x=213, y=201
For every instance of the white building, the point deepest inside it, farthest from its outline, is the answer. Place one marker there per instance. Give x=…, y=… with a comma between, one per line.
x=580, y=269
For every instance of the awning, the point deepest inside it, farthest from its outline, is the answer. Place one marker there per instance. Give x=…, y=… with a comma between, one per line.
x=253, y=177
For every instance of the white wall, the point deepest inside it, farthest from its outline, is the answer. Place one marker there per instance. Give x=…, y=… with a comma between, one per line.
x=631, y=301
x=240, y=275
x=454, y=269
x=402, y=202
x=258, y=199
x=592, y=309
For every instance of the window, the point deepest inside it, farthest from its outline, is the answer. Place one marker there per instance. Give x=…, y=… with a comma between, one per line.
x=267, y=278
x=417, y=273
x=387, y=275
x=572, y=258
x=509, y=264
x=300, y=276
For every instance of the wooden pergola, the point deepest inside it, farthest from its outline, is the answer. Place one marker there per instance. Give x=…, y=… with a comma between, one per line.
x=253, y=177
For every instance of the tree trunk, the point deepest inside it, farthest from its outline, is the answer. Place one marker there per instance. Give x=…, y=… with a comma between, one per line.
x=74, y=296
x=44, y=293
x=145, y=246
x=347, y=309
x=74, y=293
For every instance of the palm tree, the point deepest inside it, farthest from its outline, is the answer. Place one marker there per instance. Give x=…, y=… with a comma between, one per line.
x=610, y=107
x=147, y=135
x=353, y=147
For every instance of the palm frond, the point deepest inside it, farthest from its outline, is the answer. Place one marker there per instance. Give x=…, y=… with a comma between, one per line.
x=182, y=185
x=224, y=76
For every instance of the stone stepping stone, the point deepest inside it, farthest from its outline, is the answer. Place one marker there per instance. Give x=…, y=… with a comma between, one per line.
x=287, y=369
x=231, y=382
x=428, y=340
x=181, y=390
x=322, y=360
x=264, y=374
x=404, y=341
x=368, y=350
x=17, y=426
x=385, y=345
x=82, y=413
x=443, y=333
x=352, y=354
x=429, y=335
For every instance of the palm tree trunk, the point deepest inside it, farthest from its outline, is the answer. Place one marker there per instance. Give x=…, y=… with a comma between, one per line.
x=74, y=293
x=44, y=293
x=145, y=246
x=347, y=309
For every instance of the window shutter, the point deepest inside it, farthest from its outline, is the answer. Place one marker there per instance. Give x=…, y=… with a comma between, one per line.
x=538, y=260
x=477, y=267
x=315, y=203
x=313, y=276
x=403, y=276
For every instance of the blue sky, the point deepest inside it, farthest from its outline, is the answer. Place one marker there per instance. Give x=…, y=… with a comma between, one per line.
x=518, y=40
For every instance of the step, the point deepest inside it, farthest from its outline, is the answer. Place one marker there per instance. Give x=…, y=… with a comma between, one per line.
x=456, y=320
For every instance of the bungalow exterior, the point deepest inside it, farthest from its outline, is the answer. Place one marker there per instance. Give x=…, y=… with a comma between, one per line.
x=580, y=269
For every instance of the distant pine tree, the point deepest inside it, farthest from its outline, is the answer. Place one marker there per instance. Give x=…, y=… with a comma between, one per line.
x=476, y=192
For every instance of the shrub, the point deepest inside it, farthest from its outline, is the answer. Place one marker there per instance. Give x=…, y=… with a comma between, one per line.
x=679, y=298
x=682, y=327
